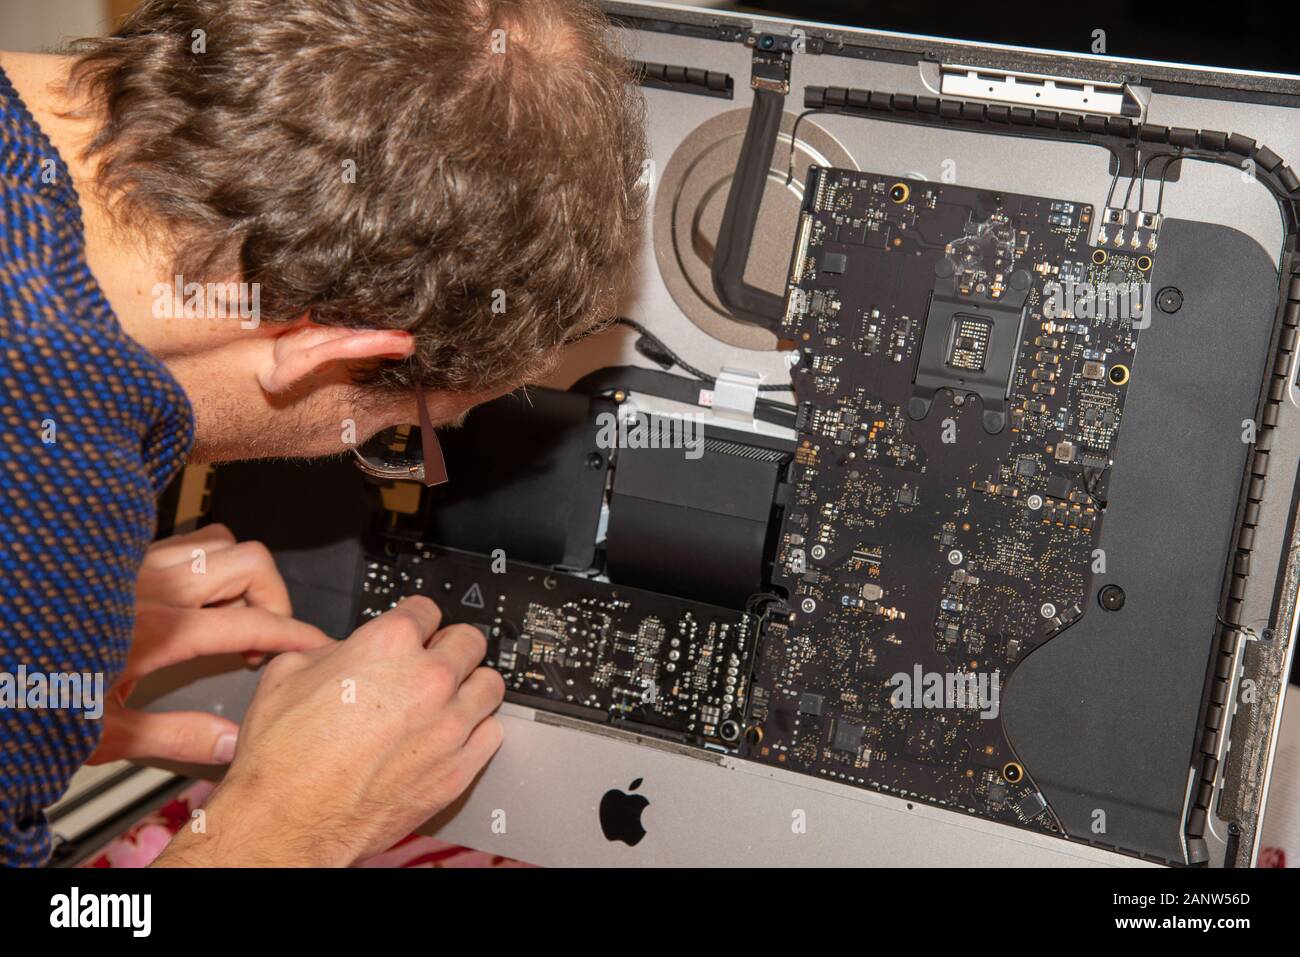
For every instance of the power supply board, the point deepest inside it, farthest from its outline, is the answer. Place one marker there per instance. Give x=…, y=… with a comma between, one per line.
x=964, y=355
x=606, y=653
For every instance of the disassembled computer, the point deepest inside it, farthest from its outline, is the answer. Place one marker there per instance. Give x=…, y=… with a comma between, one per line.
x=1006, y=543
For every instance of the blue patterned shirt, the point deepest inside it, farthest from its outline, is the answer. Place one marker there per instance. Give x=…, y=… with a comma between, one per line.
x=93, y=427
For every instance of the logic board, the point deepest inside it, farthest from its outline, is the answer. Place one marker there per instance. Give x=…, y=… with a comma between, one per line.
x=964, y=358
x=605, y=653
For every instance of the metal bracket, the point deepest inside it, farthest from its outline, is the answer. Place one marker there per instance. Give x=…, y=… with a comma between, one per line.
x=1039, y=90
x=735, y=394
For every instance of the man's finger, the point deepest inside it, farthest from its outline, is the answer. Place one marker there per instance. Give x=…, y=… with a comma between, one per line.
x=480, y=694
x=165, y=635
x=191, y=737
x=482, y=743
x=469, y=760
x=180, y=548
x=415, y=616
x=461, y=647
x=246, y=571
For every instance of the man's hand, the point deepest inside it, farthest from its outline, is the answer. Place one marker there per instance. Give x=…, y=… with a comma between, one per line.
x=345, y=750
x=198, y=594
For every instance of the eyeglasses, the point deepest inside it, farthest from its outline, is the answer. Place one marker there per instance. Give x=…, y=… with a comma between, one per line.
x=386, y=457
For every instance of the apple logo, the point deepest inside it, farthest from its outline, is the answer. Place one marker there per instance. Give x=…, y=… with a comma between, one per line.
x=620, y=815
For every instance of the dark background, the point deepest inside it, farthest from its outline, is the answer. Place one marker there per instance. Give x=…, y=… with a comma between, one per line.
x=1242, y=36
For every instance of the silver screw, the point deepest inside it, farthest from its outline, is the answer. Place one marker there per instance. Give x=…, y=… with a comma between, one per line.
x=808, y=605
x=1048, y=610
x=1035, y=502
x=819, y=552
x=954, y=557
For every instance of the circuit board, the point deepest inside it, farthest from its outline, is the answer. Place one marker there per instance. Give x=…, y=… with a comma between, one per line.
x=605, y=653
x=960, y=393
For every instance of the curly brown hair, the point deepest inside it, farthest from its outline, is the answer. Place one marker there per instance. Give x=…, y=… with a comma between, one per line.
x=494, y=147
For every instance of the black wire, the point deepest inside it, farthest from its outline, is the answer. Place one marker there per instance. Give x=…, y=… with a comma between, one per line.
x=681, y=363
x=1114, y=181
x=1172, y=158
x=677, y=360
x=1164, y=171
x=794, y=143
x=757, y=601
x=1169, y=158
x=1128, y=193
x=1142, y=186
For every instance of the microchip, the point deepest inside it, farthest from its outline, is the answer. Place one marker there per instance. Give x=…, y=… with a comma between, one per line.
x=847, y=737
x=968, y=345
x=1058, y=486
x=1031, y=805
x=1026, y=467
x=780, y=721
x=834, y=263
x=810, y=703
x=907, y=495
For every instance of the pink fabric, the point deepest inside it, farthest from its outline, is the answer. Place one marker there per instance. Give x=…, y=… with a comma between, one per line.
x=144, y=841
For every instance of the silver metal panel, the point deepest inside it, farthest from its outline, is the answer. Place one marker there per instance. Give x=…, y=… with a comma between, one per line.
x=538, y=802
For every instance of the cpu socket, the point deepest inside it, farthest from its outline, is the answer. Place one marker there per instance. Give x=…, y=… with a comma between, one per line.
x=969, y=346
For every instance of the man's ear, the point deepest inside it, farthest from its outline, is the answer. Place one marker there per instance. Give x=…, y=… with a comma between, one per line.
x=306, y=347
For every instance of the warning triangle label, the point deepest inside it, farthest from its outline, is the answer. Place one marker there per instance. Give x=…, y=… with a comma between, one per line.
x=473, y=598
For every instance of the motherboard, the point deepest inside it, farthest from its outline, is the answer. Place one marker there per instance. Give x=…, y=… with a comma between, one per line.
x=964, y=355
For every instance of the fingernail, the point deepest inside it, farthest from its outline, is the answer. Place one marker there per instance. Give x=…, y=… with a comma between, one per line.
x=224, y=752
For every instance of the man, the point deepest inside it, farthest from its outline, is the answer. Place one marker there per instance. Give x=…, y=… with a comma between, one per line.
x=430, y=194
